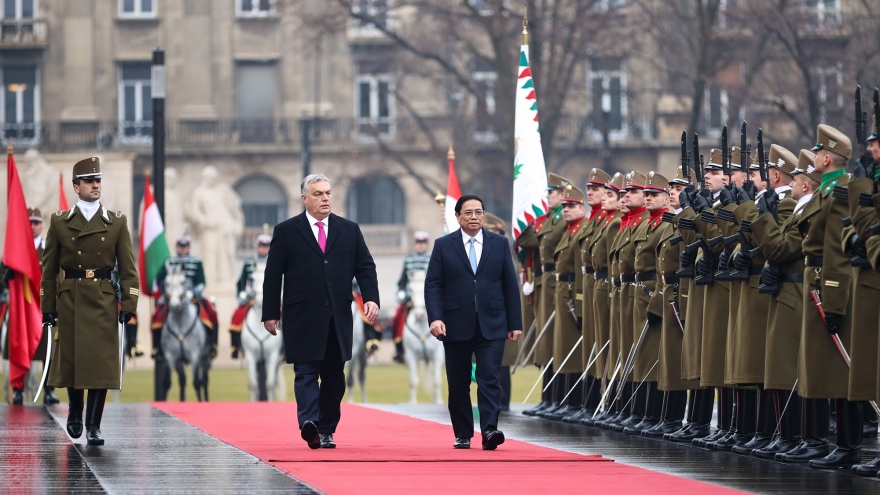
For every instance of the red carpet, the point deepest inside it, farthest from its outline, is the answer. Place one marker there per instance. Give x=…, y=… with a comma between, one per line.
x=381, y=452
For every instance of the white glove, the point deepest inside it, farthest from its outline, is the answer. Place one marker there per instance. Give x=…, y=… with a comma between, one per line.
x=528, y=288
x=401, y=295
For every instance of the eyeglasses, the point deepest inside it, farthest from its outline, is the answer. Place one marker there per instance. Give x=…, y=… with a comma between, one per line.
x=472, y=213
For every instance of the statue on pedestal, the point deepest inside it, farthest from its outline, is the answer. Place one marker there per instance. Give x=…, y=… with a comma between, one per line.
x=217, y=221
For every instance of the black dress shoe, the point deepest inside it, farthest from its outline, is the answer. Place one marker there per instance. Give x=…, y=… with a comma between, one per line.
x=461, y=443
x=839, y=458
x=93, y=436
x=663, y=428
x=759, y=441
x=309, y=433
x=577, y=416
x=535, y=410
x=492, y=439
x=779, y=446
x=49, y=397
x=727, y=443
x=869, y=469
x=644, y=424
x=806, y=451
x=869, y=430
x=327, y=441
x=690, y=433
x=703, y=441
x=17, y=397
x=561, y=412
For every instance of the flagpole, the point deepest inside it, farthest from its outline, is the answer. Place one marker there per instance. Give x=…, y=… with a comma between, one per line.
x=525, y=32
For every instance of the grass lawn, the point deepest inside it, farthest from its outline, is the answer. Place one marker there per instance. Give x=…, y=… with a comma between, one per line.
x=386, y=384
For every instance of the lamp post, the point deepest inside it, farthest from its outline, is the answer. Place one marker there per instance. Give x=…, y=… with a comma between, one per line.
x=157, y=87
x=606, y=129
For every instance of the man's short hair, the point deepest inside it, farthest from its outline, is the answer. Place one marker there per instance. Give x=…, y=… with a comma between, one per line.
x=467, y=197
x=311, y=179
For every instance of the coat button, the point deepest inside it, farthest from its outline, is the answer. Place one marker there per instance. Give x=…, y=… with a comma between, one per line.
x=326, y=303
x=325, y=262
x=79, y=252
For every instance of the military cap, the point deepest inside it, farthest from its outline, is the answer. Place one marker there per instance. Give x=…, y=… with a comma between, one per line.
x=87, y=168
x=806, y=165
x=781, y=159
x=735, y=158
x=493, y=223
x=262, y=240
x=556, y=182
x=715, y=159
x=34, y=214
x=616, y=182
x=680, y=178
x=635, y=180
x=573, y=196
x=421, y=236
x=184, y=240
x=598, y=177
x=873, y=136
x=829, y=138
x=656, y=182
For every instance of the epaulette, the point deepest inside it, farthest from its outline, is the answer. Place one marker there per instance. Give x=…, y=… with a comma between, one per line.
x=830, y=187
x=119, y=214
x=59, y=213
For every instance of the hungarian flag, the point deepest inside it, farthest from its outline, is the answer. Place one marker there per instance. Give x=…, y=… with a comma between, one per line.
x=453, y=194
x=20, y=256
x=62, y=198
x=152, y=247
x=529, y=171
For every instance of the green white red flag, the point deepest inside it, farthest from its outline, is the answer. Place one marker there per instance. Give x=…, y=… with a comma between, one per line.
x=152, y=247
x=453, y=194
x=529, y=171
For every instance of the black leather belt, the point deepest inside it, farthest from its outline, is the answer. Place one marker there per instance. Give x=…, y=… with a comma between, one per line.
x=627, y=278
x=814, y=261
x=601, y=275
x=646, y=277
x=670, y=279
x=538, y=272
x=87, y=273
x=549, y=268
x=565, y=277
x=587, y=270
x=794, y=278
x=615, y=282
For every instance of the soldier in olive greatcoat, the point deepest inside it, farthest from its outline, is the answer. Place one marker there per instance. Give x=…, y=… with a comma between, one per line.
x=86, y=242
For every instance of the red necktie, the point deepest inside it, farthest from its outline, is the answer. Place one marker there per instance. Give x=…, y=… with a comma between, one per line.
x=322, y=237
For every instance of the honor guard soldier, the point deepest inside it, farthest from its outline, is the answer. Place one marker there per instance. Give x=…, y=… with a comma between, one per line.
x=567, y=355
x=545, y=234
x=597, y=258
x=86, y=242
x=192, y=268
x=822, y=370
x=246, y=289
x=417, y=260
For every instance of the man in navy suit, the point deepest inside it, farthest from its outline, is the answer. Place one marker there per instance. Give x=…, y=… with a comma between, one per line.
x=472, y=299
x=317, y=254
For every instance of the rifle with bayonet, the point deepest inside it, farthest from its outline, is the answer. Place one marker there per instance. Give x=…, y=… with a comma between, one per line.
x=702, y=196
x=866, y=161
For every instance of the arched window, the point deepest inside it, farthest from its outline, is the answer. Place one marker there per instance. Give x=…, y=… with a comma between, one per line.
x=376, y=200
x=263, y=201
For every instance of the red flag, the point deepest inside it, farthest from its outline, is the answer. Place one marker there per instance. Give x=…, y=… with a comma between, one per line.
x=453, y=193
x=61, y=196
x=20, y=256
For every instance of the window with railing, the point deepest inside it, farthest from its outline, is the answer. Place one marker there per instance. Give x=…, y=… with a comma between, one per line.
x=19, y=9
x=135, y=103
x=715, y=107
x=484, y=105
x=370, y=16
x=21, y=103
x=824, y=13
x=607, y=80
x=376, y=200
x=829, y=91
x=137, y=8
x=254, y=8
x=374, y=111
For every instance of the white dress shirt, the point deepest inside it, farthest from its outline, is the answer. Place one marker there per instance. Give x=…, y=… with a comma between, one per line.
x=802, y=202
x=88, y=208
x=314, y=223
x=39, y=243
x=478, y=245
x=783, y=192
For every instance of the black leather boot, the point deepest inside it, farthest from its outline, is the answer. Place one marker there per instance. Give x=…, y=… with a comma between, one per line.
x=758, y=418
x=75, y=412
x=94, y=412
x=869, y=469
x=815, y=434
x=577, y=399
x=545, y=397
x=573, y=403
x=725, y=413
x=849, y=437
x=17, y=396
x=653, y=409
x=869, y=421
x=789, y=425
x=554, y=396
x=620, y=413
x=49, y=397
x=636, y=408
x=735, y=436
x=671, y=416
x=699, y=417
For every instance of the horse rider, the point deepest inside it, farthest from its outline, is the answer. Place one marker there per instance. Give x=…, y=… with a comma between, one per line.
x=194, y=272
x=246, y=291
x=86, y=242
x=418, y=260
x=49, y=397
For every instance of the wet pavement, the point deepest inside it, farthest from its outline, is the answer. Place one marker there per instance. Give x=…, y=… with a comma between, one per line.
x=148, y=451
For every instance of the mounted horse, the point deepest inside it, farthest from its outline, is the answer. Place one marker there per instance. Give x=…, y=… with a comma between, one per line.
x=419, y=345
x=184, y=337
x=262, y=351
x=364, y=342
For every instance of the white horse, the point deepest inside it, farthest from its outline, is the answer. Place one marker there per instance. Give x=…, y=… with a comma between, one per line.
x=418, y=343
x=262, y=350
x=359, y=355
x=184, y=336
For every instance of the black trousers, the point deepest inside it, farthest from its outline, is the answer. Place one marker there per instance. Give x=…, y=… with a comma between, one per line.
x=458, y=376
x=319, y=402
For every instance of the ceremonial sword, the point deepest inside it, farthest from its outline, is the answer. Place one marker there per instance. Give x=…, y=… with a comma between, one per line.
x=590, y=362
x=523, y=346
x=576, y=344
x=630, y=360
x=601, y=405
x=538, y=338
x=46, y=362
x=539, y=380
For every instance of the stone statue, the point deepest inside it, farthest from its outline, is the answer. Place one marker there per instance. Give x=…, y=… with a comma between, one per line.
x=38, y=181
x=175, y=224
x=217, y=221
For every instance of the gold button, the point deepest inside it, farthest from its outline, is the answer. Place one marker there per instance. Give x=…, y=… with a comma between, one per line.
x=79, y=252
x=79, y=266
x=102, y=239
x=94, y=279
x=73, y=238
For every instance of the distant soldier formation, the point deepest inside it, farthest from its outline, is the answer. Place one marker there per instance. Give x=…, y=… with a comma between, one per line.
x=749, y=280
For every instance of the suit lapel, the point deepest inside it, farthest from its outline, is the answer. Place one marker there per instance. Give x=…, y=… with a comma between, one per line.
x=458, y=246
x=306, y=230
x=487, y=247
x=332, y=233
